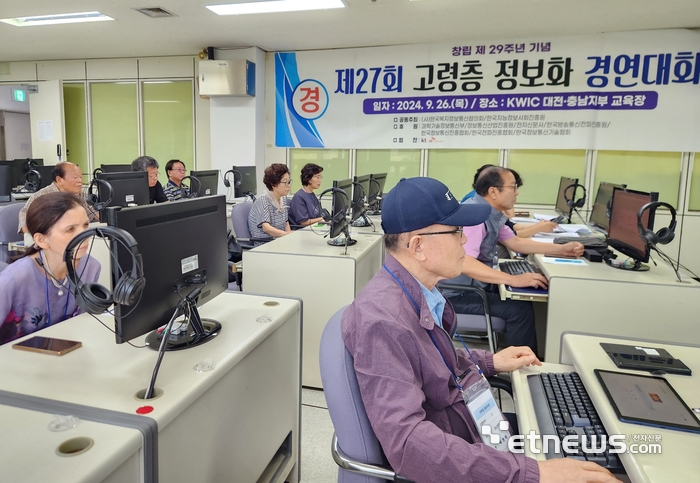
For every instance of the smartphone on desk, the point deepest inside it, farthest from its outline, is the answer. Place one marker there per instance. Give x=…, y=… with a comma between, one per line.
x=47, y=345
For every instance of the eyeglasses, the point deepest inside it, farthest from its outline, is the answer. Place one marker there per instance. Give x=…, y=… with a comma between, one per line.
x=319, y=176
x=514, y=187
x=457, y=230
x=286, y=183
x=179, y=170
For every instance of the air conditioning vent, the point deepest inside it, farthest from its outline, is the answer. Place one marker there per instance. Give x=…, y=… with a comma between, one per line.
x=155, y=12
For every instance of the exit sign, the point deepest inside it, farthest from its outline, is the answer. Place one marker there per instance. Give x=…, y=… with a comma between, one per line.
x=19, y=95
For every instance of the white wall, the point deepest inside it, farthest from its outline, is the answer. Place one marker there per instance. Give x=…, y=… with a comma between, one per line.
x=18, y=138
x=7, y=103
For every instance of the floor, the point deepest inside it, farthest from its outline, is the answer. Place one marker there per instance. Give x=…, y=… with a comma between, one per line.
x=317, y=465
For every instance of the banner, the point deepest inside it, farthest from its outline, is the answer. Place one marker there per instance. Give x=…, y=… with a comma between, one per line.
x=624, y=91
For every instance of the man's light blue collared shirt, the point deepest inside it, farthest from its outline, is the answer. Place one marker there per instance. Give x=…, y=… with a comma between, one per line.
x=435, y=301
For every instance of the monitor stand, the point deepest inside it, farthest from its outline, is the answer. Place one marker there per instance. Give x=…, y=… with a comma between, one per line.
x=191, y=334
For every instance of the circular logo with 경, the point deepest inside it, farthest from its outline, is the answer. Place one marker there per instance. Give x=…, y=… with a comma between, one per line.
x=310, y=99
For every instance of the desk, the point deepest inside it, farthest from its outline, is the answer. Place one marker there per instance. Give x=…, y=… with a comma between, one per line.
x=227, y=424
x=599, y=299
x=582, y=353
x=303, y=265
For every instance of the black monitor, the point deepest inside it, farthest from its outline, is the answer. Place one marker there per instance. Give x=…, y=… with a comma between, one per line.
x=208, y=181
x=115, y=168
x=5, y=183
x=128, y=188
x=339, y=211
x=600, y=214
x=359, y=198
x=561, y=207
x=20, y=167
x=179, y=243
x=623, y=234
x=374, y=195
x=46, y=173
x=245, y=181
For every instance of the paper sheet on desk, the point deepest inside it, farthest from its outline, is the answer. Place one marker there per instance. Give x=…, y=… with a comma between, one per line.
x=565, y=261
x=523, y=219
x=543, y=239
x=554, y=235
x=540, y=216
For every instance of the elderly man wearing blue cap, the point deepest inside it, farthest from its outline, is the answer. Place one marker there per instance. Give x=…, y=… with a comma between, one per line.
x=421, y=396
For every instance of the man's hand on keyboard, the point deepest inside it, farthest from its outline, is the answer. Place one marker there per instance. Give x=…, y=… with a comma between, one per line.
x=569, y=470
x=536, y=280
x=571, y=249
x=512, y=358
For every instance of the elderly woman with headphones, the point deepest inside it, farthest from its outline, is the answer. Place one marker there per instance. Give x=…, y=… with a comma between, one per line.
x=34, y=290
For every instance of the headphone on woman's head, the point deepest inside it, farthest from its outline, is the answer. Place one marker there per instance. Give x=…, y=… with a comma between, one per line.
x=192, y=192
x=93, y=199
x=94, y=298
x=570, y=202
x=338, y=216
x=666, y=234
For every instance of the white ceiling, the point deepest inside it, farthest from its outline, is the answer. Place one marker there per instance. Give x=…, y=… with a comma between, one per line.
x=362, y=23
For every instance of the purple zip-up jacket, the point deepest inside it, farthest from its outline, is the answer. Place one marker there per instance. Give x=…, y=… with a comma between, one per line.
x=411, y=399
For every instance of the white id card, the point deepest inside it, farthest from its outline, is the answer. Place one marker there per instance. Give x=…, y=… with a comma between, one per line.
x=487, y=416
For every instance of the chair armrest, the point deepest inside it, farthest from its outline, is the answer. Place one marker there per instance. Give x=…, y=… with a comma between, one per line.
x=443, y=285
x=376, y=471
x=498, y=382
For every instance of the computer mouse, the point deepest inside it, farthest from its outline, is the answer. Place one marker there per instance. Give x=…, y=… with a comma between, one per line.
x=583, y=231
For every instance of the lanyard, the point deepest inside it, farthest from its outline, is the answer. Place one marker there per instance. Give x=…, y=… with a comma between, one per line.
x=430, y=333
x=48, y=303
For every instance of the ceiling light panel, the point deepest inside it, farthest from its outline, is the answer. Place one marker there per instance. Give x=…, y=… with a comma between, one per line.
x=274, y=6
x=56, y=19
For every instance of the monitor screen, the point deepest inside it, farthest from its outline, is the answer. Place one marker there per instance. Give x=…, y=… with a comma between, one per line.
x=20, y=167
x=600, y=215
x=46, y=173
x=245, y=181
x=359, y=196
x=340, y=207
x=561, y=207
x=623, y=234
x=176, y=241
x=115, y=168
x=208, y=180
x=5, y=184
x=128, y=188
x=376, y=189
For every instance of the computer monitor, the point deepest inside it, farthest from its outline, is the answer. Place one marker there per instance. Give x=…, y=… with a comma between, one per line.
x=115, y=168
x=374, y=195
x=20, y=167
x=339, y=211
x=623, y=234
x=5, y=184
x=178, y=243
x=359, y=197
x=561, y=207
x=600, y=214
x=46, y=173
x=208, y=181
x=245, y=181
x=128, y=188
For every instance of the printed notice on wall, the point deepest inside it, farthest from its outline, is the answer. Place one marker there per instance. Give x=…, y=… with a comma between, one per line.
x=45, y=129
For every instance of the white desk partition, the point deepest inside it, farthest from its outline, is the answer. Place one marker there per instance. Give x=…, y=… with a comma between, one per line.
x=227, y=424
x=600, y=299
x=303, y=265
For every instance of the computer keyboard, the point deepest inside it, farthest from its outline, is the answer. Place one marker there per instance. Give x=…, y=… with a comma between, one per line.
x=558, y=219
x=563, y=408
x=517, y=267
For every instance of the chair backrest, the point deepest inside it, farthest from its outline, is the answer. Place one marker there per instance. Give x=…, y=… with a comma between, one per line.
x=9, y=219
x=239, y=219
x=3, y=266
x=352, y=428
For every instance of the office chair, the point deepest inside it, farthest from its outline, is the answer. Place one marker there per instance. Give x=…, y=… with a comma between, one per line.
x=355, y=447
x=239, y=222
x=492, y=326
x=9, y=219
x=3, y=266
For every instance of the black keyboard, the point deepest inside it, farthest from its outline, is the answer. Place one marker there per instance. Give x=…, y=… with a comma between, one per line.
x=563, y=408
x=517, y=267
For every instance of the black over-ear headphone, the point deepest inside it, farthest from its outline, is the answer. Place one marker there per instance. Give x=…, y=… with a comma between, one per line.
x=29, y=185
x=338, y=216
x=666, y=234
x=570, y=202
x=236, y=182
x=93, y=199
x=193, y=181
x=93, y=298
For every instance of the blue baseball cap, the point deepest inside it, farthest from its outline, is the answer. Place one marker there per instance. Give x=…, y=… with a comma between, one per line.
x=415, y=203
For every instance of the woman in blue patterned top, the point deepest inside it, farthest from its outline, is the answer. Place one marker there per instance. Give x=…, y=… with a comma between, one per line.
x=268, y=216
x=34, y=290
